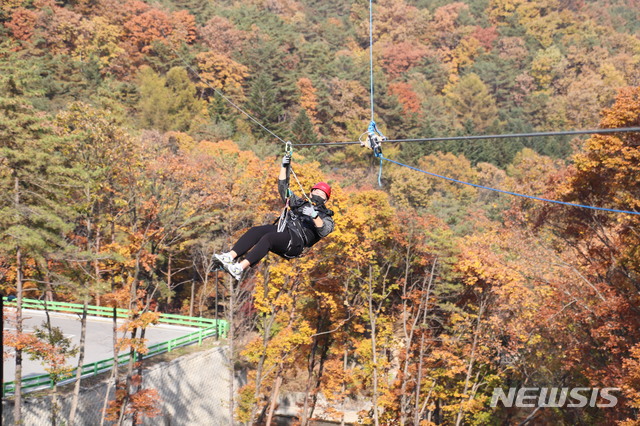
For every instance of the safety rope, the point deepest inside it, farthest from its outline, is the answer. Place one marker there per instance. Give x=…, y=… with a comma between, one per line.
x=509, y=192
x=371, y=54
x=300, y=185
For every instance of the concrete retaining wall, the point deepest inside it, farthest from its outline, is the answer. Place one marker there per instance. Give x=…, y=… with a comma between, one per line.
x=194, y=390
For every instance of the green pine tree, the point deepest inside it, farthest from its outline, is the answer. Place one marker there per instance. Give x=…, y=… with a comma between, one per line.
x=171, y=102
x=263, y=104
x=186, y=112
x=303, y=130
x=154, y=103
x=36, y=179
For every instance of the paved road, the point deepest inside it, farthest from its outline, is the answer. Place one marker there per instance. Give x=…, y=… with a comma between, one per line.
x=98, y=343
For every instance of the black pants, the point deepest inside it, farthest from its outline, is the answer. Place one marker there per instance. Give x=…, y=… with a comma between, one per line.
x=263, y=239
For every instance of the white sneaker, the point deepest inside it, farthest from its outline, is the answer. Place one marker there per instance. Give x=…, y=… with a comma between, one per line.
x=225, y=259
x=235, y=270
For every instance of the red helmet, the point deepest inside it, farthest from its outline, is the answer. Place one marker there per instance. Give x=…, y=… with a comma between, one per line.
x=324, y=187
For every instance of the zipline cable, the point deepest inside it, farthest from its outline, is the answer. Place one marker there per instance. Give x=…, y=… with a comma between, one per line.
x=509, y=192
x=473, y=137
x=478, y=137
x=219, y=93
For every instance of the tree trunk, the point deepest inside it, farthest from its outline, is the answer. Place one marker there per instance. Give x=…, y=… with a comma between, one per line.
x=17, y=409
x=128, y=385
x=193, y=286
x=115, y=345
x=416, y=407
x=312, y=364
x=54, y=397
x=230, y=338
x=170, y=299
x=112, y=380
x=267, y=323
x=49, y=292
x=472, y=359
x=374, y=350
x=216, y=310
x=323, y=358
x=345, y=356
x=54, y=404
x=83, y=336
x=274, y=398
x=114, y=370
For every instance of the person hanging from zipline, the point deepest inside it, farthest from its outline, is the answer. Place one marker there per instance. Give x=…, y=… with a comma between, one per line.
x=303, y=222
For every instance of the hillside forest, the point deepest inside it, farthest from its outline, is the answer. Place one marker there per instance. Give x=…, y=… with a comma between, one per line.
x=127, y=159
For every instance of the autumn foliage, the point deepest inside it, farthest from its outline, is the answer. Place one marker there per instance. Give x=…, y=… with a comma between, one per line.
x=127, y=159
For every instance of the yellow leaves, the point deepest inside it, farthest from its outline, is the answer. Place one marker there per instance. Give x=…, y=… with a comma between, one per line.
x=611, y=76
x=455, y=318
x=396, y=21
x=465, y=52
x=501, y=10
x=547, y=65
x=347, y=100
x=100, y=42
x=221, y=72
x=283, y=348
x=271, y=295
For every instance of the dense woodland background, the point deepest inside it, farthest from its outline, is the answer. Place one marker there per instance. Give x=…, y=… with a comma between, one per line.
x=122, y=171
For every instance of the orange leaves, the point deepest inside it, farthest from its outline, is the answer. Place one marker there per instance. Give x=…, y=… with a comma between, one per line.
x=53, y=357
x=445, y=17
x=184, y=27
x=136, y=344
x=486, y=36
x=481, y=262
x=610, y=164
x=308, y=98
x=222, y=37
x=401, y=57
x=147, y=27
x=142, y=320
x=631, y=386
x=407, y=97
x=22, y=23
x=363, y=228
x=283, y=348
x=143, y=403
x=63, y=30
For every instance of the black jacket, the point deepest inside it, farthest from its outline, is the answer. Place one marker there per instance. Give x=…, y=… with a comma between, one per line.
x=303, y=224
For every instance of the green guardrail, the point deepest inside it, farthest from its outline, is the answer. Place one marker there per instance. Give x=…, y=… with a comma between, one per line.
x=208, y=328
